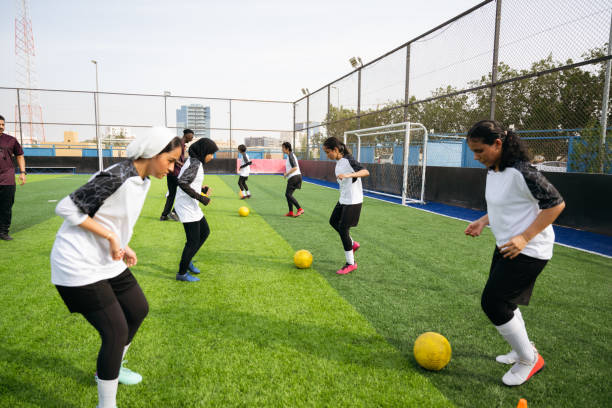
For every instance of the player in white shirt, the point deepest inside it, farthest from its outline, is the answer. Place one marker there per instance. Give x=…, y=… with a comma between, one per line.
x=90, y=259
x=187, y=204
x=346, y=213
x=243, y=172
x=521, y=206
x=294, y=180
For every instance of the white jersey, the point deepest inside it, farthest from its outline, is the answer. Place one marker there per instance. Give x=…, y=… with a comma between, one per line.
x=245, y=168
x=351, y=191
x=515, y=197
x=190, y=181
x=114, y=199
x=290, y=163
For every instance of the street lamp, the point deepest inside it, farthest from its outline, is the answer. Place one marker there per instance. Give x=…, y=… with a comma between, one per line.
x=97, y=101
x=356, y=62
x=305, y=91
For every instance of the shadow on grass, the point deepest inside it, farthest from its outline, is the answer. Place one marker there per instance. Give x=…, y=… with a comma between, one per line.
x=28, y=391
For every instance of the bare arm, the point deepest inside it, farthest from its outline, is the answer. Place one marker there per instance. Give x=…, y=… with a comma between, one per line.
x=360, y=173
x=21, y=163
x=475, y=228
x=93, y=226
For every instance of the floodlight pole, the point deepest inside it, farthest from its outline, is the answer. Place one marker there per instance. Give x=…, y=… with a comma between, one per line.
x=495, y=58
x=230, y=127
x=97, y=103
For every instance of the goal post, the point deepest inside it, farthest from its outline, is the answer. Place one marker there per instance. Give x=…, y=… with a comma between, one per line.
x=405, y=175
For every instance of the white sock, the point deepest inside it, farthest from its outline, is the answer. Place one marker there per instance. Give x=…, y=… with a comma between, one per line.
x=248, y=192
x=515, y=334
x=125, y=349
x=349, y=257
x=517, y=313
x=107, y=393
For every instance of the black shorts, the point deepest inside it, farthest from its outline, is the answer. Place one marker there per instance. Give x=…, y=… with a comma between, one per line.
x=97, y=295
x=346, y=215
x=513, y=279
x=294, y=183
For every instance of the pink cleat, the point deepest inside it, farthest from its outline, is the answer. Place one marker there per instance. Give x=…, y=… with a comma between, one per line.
x=299, y=212
x=290, y=214
x=346, y=269
x=356, y=246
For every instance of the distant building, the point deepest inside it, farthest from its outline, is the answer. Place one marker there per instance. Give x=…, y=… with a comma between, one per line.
x=262, y=141
x=195, y=117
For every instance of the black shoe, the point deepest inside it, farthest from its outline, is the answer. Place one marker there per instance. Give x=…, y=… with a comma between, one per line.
x=173, y=216
x=5, y=236
x=163, y=218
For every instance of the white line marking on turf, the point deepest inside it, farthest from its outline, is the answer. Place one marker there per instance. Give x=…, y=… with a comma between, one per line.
x=52, y=201
x=460, y=219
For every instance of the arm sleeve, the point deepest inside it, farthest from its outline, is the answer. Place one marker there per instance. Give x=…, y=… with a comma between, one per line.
x=355, y=165
x=70, y=212
x=539, y=187
x=245, y=161
x=292, y=162
x=187, y=178
x=17, y=150
x=90, y=197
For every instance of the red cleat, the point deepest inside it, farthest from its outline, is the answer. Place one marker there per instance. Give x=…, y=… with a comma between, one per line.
x=356, y=246
x=299, y=212
x=522, y=371
x=290, y=214
x=347, y=268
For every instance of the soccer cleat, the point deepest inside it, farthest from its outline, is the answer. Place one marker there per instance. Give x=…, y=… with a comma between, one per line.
x=347, y=268
x=243, y=197
x=5, y=237
x=173, y=216
x=522, y=371
x=290, y=214
x=186, y=278
x=299, y=212
x=192, y=268
x=356, y=246
x=163, y=218
x=511, y=357
x=249, y=196
x=126, y=376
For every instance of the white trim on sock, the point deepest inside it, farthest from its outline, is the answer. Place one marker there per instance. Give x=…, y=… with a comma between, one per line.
x=515, y=333
x=350, y=259
x=107, y=393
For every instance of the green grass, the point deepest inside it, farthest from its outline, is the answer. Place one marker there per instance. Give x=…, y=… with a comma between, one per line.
x=258, y=332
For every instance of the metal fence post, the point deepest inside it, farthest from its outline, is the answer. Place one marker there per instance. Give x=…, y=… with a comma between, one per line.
x=100, y=164
x=230, y=127
x=359, y=99
x=604, y=105
x=407, y=84
x=495, y=58
x=19, y=116
x=307, y=127
x=293, y=125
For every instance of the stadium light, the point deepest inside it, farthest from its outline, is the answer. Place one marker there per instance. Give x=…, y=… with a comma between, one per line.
x=305, y=91
x=356, y=62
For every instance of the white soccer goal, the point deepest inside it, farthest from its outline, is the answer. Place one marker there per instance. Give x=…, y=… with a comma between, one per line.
x=406, y=164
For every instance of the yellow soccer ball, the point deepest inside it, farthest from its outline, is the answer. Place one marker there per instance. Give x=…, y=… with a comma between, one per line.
x=243, y=211
x=302, y=259
x=432, y=351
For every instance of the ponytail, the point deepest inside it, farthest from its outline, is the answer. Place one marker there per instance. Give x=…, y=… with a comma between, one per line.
x=287, y=146
x=513, y=148
x=332, y=143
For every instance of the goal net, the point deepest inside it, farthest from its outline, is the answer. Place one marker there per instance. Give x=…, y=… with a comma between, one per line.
x=398, y=157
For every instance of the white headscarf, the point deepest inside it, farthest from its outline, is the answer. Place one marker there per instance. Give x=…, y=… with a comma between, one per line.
x=147, y=146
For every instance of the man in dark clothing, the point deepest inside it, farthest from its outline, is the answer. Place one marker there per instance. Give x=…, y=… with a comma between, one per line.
x=9, y=148
x=172, y=180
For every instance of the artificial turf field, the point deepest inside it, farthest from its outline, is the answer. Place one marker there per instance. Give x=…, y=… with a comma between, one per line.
x=256, y=331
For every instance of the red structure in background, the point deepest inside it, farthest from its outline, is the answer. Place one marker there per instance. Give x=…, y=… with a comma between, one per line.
x=28, y=112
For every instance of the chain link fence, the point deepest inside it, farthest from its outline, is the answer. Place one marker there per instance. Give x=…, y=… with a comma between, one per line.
x=539, y=67
x=66, y=123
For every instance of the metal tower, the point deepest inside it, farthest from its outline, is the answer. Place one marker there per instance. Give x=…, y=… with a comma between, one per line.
x=28, y=111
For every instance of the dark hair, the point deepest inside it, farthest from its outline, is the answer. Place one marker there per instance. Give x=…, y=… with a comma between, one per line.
x=186, y=131
x=2, y=118
x=513, y=148
x=242, y=148
x=174, y=143
x=287, y=146
x=332, y=143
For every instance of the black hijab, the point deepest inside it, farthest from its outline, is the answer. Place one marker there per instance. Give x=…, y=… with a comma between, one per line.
x=201, y=148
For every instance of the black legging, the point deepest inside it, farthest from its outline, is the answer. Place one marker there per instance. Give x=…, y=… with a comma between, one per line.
x=242, y=183
x=172, y=185
x=510, y=284
x=196, y=233
x=291, y=201
x=117, y=325
x=343, y=228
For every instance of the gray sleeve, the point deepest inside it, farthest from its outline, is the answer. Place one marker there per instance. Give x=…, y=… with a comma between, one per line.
x=540, y=188
x=292, y=162
x=187, y=178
